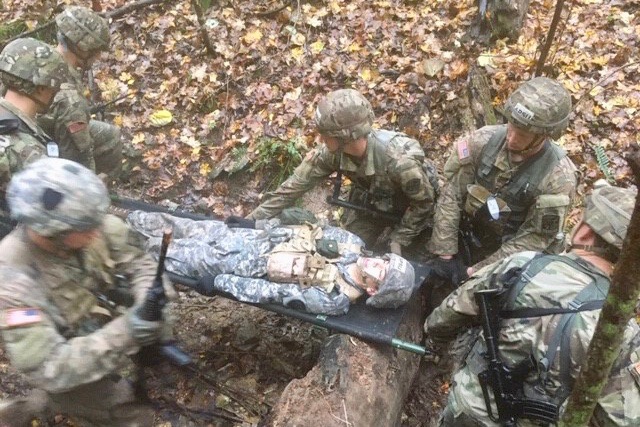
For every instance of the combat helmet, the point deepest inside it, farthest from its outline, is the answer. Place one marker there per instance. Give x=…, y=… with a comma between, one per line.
x=397, y=286
x=85, y=32
x=540, y=105
x=27, y=63
x=608, y=212
x=344, y=114
x=53, y=196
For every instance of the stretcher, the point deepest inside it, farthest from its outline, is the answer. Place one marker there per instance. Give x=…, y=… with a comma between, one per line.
x=361, y=321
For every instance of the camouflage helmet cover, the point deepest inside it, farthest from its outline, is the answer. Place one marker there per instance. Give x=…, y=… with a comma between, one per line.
x=85, y=29
x=540, y=105
x=344, y=114
x=26, y=63
x=54, y=195
x=397, y=286
x=608, y=212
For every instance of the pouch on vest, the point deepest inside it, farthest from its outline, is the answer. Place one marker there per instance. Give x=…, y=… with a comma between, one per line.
x=549, y=213
x=477, y=197
x=327, y=248
x=301, y=268
x=286, y=267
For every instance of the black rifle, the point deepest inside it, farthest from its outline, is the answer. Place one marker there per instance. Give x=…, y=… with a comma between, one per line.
x=365, y=206
x=99, y=108
x=506, y=383
x=151, y=311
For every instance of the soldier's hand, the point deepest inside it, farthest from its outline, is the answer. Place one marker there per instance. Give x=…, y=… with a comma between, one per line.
x=452, y=269
x=143, y=332
x=240, y=222
x=395, y=248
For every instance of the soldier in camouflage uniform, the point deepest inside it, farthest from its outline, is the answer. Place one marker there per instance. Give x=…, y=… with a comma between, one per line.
x=31, y=72
x=82, y=36
x=65, y=256
x=508, y=187
x=319, y=269
x=537, y=288
x=388, y=171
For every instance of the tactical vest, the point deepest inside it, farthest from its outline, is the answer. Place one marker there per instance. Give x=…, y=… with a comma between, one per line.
x=363, y=193
x=590, y=297
x=296, y=260
x=10, y=123
x=522, y=189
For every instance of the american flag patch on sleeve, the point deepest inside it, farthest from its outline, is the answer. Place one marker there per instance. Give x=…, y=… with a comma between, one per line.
x=22, y=317
x=463, y=149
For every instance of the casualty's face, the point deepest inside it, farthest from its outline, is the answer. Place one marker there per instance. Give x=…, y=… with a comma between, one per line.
x=373, y=271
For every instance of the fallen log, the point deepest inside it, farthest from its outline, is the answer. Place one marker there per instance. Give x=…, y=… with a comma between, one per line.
x=354, y=383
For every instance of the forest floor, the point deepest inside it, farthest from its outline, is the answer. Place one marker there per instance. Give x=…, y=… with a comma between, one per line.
x=241, y=117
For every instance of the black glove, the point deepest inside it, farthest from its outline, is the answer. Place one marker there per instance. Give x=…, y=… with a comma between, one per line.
x=452, y=269
x=240, y=222
x=204, y=285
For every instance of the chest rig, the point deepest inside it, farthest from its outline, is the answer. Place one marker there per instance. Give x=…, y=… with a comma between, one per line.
x=298, y=261
x=521, y=188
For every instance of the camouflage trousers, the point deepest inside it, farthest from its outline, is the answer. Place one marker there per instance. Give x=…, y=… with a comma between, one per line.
x=107, y=148
x=104, y=403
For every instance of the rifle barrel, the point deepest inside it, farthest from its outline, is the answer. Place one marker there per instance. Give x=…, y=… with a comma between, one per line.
x=166, y=239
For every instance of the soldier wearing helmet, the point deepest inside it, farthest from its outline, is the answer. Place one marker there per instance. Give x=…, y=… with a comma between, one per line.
x=549, y=307
x=65, y=257
x=82, y=36
x=295, y=263
x=31, y=72
x=509, y=187
x=389, y=173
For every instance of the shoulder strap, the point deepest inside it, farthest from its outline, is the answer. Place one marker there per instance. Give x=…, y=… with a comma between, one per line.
x=490, y=152
x=532, y=172
x=9, y=122
x=591, y=297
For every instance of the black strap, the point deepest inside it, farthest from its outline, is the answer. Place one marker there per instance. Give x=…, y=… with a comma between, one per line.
x=523, y=313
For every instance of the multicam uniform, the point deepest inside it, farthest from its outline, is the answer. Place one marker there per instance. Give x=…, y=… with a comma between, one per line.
x=19, y=146
x=93, y=143
x=55, y=331
x=393, y=176
x=25, y=64
x=547, y=282
x=533, y=197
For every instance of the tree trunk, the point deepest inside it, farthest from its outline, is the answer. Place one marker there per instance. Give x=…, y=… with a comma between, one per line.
x=502, y=18
x=618, y=309
x=354, y=383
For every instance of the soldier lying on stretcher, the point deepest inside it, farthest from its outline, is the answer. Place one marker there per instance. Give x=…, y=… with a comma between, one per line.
x=319, y=269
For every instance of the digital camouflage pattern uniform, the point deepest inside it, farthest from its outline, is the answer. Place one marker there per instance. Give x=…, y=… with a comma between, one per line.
x=393, y=173
x=93, y=143
x=530, y=198
x=53, y=326
x=557, y=343
x=238, y=260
